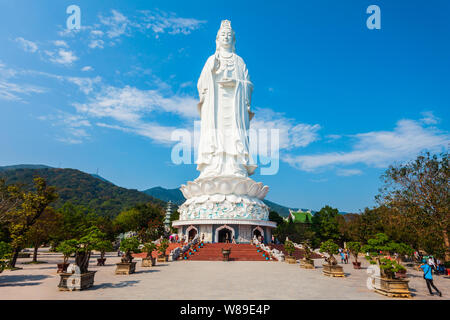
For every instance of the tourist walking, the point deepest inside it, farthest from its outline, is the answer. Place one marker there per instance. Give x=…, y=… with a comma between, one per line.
x=342, y=256
x=428, y=276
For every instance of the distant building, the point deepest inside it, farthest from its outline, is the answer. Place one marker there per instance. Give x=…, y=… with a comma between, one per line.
x=299, y=216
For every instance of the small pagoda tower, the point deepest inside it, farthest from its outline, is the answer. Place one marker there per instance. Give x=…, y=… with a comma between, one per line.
x=167, y=218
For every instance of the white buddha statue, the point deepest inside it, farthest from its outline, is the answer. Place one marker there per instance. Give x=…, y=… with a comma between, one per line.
x=225, y=94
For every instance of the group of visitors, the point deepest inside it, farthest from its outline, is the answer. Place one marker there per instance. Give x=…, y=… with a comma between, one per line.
x=345, y=254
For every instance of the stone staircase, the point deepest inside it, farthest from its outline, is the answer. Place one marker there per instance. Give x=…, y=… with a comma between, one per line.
x=239, y=252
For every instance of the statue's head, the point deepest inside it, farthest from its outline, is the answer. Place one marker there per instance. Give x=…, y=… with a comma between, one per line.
x=225, y=36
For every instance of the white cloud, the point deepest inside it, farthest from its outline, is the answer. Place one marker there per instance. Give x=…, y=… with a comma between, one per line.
x=27, y=45
x=60, y=43
x=85, y=84
x=116, y=24
x=97, y=33
x=161, y=22
x=87, y=68
x=12, y=91
x=96, y=44
x=74, y=126
x=379, y=148
x=62, y=56
x=429, y=118
x=292, y=134
x=129, y=104
x=348, y=172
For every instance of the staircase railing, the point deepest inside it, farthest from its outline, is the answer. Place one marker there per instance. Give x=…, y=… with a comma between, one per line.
x=178, y=251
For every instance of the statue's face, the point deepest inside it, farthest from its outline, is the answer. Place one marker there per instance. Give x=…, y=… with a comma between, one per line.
x=225, y=38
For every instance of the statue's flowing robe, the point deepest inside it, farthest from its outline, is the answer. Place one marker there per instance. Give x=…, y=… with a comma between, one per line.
x=215, y=145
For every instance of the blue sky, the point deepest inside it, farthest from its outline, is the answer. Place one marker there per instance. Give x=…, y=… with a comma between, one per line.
x=348, y=101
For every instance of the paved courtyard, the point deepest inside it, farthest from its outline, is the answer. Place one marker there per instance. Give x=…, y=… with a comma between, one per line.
x=202, y=280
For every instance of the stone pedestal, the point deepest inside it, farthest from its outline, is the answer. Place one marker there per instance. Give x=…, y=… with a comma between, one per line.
x=333, y=270
x=73, y=281
x=228, y=202
x=125, y=267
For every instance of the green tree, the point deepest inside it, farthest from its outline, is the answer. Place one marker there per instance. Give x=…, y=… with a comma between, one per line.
x=5, y=254
x=325, y=224
x=419, y=190
x=46, y=227
x=275, y=217
x=23, y=218
x=331, y=249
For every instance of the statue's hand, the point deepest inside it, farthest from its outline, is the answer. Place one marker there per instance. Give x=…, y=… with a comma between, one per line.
x=227, y=82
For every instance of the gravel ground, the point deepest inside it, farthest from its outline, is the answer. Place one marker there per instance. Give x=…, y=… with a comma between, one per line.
x=203, y=280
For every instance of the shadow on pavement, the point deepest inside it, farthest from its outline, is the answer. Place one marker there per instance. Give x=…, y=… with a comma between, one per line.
x=121, y=284
x=20, y=280
x=146, y=271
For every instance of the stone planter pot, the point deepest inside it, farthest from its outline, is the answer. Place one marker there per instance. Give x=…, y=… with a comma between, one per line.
x=101, y=262
x=356, y=265
x=333, y=270
x=290, y=259
x=163, y=258
x=73, y=281
x=125, y=267
x=392, y=287
x=62, y=267
x=307, y=264
x=148, y=262
x=226, y=254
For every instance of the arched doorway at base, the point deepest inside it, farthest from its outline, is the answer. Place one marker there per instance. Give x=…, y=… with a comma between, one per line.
x=224, y=234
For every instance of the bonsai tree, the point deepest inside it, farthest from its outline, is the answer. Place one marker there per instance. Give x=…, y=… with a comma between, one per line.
x=376, y=248
x=67, y=248
x=289, y=247
x=129, y=245
x=149, y=248
x=308, y=252
x=355, y=249
x=331, y=249
x=164, y=244
x=5, y=254
x=389, y=267
x=84, y=246
x=103, y=246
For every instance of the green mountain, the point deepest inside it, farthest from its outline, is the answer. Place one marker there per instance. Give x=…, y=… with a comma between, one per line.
x=81, y=188
x=24, y=166
x=177, y=197
x=173, y=195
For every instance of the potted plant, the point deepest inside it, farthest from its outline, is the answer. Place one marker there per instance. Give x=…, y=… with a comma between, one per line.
x=67, y=248
x=387, y=283
x=307, y=262
x=127, y=266
x=163, y=245
x=5, y=255
x=290, y=249
x=331, y=267
x=103, y=246
x=149, y=260
x=355, y=249
x=80, y=277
